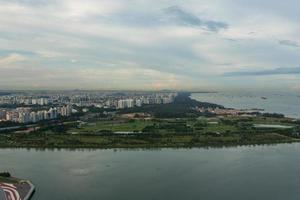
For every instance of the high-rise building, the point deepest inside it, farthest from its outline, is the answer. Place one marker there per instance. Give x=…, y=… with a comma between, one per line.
x=40, y=115
x=129, y=103
x=33, y=117
x=138, y=102
x=12, y=116
x=34, y=101
x=46, y=115
x=2, y=114
x=52, y=113
x=121, y=104
x=24, y=117
x=69, y=110
x=65, y=111
x=43, y=101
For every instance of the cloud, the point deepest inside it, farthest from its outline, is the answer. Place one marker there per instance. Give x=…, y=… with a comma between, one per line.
x=89, y=78
x=10, y=59
x=290, y=43
x=143, y=44
x=183, y=17
x=276, y=71
x=296, y=88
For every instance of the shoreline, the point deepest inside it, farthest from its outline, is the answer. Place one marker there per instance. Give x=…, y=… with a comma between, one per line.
x=263, y=110
x=183, y=146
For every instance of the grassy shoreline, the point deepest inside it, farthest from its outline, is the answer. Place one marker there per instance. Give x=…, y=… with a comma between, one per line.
x=129, y=143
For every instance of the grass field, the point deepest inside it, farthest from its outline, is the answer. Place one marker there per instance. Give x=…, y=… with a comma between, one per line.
x=183, y=132
x=114, y=126
x=203, y=125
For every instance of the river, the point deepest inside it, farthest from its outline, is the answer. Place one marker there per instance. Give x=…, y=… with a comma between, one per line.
x=246, y=172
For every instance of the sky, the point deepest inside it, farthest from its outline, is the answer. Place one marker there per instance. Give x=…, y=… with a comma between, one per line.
x=150, y=44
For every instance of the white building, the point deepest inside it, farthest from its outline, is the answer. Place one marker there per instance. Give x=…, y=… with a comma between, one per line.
x=24, y=117
x=33, y=117
x=138, y=102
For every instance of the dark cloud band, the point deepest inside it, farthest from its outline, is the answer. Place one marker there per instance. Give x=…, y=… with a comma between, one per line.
x=185, y=18
x=277, y=71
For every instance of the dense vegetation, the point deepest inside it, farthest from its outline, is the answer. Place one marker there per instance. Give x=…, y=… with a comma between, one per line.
x=5, y=174
x=183, y=106
x=9, y=124
x=184, y=132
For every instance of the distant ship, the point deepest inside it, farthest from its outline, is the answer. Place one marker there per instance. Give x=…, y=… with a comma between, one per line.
x=264, y=98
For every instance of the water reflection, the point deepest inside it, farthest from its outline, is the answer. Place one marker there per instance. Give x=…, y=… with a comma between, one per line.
x=243, y=172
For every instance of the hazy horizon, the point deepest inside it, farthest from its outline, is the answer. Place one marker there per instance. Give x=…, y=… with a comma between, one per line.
x=149, y=45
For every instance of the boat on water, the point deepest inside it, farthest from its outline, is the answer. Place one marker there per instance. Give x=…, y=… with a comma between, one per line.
x=264, y=98
x=12, y=188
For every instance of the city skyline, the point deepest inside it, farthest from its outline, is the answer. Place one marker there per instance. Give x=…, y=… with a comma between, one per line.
x=149, y=45
x=31, y=108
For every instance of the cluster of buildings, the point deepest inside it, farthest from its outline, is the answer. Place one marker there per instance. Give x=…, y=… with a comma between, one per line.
x=25, y=100
x=31, y=107
x=123, y=100
x=229, y=111
x=139, y=101
x=118, y=100
x=26, y=115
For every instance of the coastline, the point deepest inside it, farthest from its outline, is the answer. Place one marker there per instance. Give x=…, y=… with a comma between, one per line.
x=283, y=103
x=170, y=146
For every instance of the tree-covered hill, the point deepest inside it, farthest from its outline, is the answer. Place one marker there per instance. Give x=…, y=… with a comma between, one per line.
x=182, y=106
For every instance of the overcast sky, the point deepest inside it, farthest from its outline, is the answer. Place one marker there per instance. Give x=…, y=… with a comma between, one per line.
x=150, y=44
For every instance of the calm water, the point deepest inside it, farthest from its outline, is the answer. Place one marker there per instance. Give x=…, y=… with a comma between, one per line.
x=257, y=172
x=285, y=103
